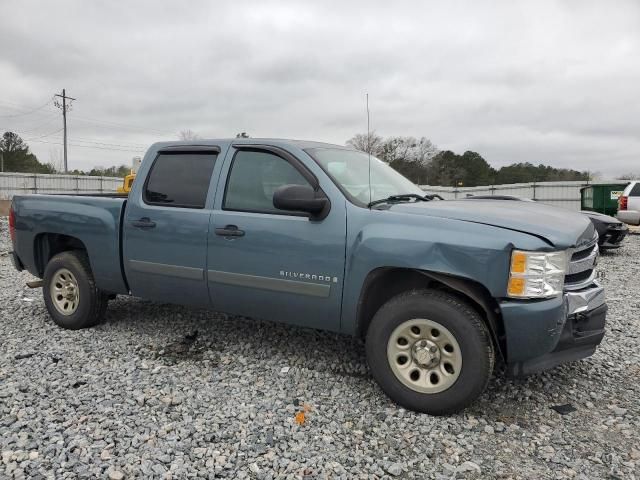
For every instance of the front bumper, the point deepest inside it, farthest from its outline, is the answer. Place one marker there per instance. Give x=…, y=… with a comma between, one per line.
x=554, y=331
x=612, y=237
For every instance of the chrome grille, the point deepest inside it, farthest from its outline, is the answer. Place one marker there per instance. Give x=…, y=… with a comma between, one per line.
x=581, y=268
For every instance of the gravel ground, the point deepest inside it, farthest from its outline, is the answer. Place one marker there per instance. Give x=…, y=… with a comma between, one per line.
x=171, y=392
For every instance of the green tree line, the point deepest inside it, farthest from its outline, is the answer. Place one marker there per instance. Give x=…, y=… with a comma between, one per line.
x=416, y=158
x=423, y=163
x=16, y=157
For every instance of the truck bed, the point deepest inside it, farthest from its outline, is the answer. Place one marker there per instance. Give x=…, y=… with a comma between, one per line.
x=95, y=221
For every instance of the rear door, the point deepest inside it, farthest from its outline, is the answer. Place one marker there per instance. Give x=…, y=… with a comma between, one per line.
x=166, y=227
x=268, y=263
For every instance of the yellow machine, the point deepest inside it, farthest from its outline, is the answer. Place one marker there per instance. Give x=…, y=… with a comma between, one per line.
x=126, y=183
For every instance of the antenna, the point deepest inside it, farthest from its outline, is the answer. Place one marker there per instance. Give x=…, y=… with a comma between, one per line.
x=369, y=146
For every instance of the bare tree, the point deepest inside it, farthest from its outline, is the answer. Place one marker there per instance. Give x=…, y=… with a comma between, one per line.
x=424, y=151
x=397, y=148
x=188, y=134
x=370, y=143
x=628, y=176
x=56, y=159
x=592, y=175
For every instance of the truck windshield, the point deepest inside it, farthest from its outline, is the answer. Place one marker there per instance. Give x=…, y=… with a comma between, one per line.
x=349, y=169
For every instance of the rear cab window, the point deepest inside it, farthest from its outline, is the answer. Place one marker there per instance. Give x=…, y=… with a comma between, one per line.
x=179, y=179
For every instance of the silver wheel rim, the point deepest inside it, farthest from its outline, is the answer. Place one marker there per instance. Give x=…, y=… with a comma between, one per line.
x=64, y=291
x=424, y=356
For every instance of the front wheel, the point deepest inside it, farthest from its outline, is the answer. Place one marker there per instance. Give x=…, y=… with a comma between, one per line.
x=430, y=351
x=70, y=293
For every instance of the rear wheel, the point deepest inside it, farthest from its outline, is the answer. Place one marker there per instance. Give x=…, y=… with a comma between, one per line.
x=70, y=293
x=430, y=351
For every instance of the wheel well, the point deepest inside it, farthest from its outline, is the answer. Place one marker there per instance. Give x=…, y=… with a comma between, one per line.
x=46, y=245
x=383, y=284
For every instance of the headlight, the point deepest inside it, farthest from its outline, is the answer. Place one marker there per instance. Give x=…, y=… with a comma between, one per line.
x=536, y=274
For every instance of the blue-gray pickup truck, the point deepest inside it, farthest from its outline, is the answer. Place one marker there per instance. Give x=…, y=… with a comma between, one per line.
x=327, y=237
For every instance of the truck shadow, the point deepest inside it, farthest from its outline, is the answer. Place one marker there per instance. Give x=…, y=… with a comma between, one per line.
x=178, y=334
x=174, y=334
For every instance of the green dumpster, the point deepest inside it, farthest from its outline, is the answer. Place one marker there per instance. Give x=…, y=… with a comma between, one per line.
x=601, y=198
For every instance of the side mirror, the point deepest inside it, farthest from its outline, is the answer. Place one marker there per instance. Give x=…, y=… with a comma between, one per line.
x=301, y=198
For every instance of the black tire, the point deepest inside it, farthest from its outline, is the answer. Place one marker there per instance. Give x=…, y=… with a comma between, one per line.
x=462, y=321
x=92, y=302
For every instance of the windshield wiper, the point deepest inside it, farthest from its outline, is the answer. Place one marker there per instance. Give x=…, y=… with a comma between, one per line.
x=404, y=197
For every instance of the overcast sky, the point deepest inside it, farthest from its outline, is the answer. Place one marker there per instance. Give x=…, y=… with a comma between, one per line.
x=545, y=82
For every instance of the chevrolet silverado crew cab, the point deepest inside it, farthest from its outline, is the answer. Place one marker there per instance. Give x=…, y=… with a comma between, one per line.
x=326, y=237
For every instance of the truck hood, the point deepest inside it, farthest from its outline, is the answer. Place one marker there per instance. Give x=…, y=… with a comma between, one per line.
x=559, y=227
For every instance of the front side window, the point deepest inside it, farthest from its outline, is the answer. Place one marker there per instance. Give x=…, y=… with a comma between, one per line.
x=361, y=177
x=180, y=179
x=254, y=177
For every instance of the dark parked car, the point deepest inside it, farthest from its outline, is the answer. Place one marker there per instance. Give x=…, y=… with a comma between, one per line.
x=611, y=231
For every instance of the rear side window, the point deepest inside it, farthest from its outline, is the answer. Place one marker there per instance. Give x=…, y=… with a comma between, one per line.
x=253, y=179
x=635, y=191
x=179, y=179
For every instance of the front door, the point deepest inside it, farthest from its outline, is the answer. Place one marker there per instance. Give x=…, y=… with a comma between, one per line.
x=268, y=263
x=166, y=229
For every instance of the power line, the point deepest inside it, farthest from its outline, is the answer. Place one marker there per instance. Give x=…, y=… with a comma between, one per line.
x=31, y=130
x=42, y=136
x=90, y=146
x=110, y=144
x=127, y=144
x=121, y=125
x=22, y=133
x=76, y=140
x=81, y=142
x=84, y=119
x=28, y=112
x=99, y=145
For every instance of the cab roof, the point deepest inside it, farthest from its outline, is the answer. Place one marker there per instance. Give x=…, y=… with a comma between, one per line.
x=281, y=142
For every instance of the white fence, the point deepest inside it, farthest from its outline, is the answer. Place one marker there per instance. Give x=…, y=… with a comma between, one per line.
x=561, y=194
x=22, y=183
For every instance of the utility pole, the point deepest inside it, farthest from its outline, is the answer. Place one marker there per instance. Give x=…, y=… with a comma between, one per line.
x=2, y=161
x=64, y=107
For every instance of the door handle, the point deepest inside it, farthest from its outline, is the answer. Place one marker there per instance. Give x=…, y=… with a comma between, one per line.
x=144, y=222
x=229, y=231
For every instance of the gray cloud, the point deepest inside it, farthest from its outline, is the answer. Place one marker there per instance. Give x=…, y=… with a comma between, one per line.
x=553, y=82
